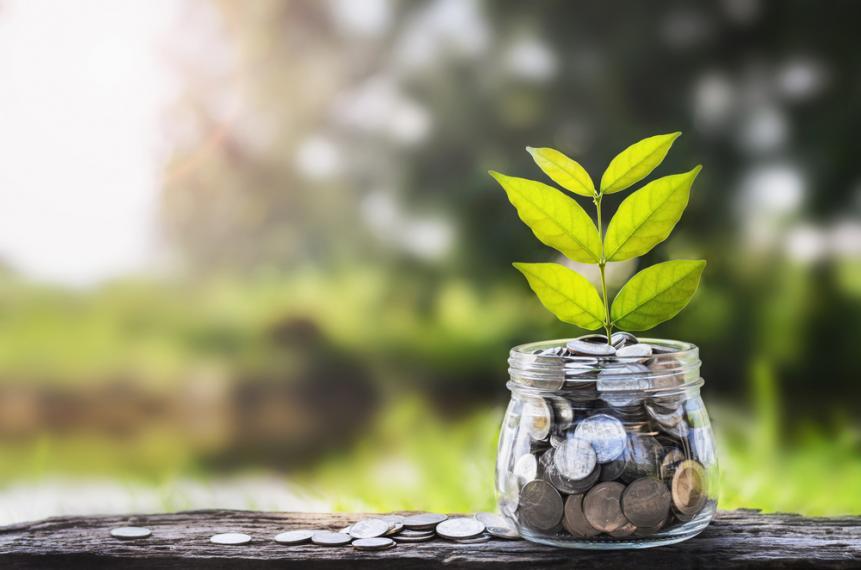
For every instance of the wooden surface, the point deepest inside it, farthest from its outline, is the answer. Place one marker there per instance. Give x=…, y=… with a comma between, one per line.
x=735, y=539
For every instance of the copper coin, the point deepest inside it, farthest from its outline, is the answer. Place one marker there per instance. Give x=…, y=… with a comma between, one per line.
x=689, y=487
x=575, y=521
x=602, y=506
x=646, y=502
x=540, y=505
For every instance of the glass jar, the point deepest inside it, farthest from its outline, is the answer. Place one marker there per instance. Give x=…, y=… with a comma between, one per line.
x=602, y=451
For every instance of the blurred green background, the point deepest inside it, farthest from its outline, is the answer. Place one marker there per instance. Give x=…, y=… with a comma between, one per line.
x=252, y=258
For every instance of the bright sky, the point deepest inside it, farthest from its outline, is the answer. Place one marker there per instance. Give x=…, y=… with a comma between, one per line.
x=82, y=89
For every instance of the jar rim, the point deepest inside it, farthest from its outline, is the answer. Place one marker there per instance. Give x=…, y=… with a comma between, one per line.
x=673, y=368
x=681, y=349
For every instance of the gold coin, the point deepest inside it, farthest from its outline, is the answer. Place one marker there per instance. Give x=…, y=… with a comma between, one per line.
x=689, y=487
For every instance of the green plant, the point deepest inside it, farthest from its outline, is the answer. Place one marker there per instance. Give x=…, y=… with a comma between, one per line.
x=644, y=219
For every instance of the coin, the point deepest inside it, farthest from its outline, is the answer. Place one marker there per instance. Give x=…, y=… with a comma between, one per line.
x=602, y=506
x=369, y=528
x=294, y=536
x=575, y=521
x=575, y=458
x=230, y=538
x=641, y=350
x=538, y=417
x=408, y=538
x=569, y=487
x=563, y=413
x=481, y=538
x=624, y=531
x=129, y=532
x=670, y=463
x=417, y=533
x=540, y=505
x=394, y=528
x=613, y=470
x=374, y=543
x=423, y=521
x=646, y=502
x=326, y=538
x=605, y=433
x=581, y=347
x=689, y=487
x=525, y=469
x=459, y=528
x=621, y=339
x=506, y=532
x=491, y=519
x=643, y=457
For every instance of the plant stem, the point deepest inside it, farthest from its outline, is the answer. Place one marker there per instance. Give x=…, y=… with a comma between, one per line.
x=602, y=263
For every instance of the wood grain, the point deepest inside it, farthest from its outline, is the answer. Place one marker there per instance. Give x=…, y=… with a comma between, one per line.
x=735, y=539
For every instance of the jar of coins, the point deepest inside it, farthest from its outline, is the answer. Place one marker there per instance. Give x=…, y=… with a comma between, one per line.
x=606, y=445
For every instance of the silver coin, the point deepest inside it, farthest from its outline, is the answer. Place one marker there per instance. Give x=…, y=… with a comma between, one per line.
x=580, y=347
x=525, y=469
x=460, y=528
x=569, y=487
x=408, y=538
x=507, y=532
x=423, y=521
x=230, y=538
x=641, y=350
x=374, y=543
x=491, y=519
x=346, y=529
x=575, y=458
x=130, y=532
x=414, y=533
x=537, y=417
x=394, y=528
x=556, y=440
x=563, y=413
x=295, y=537
x=478, y=539
x=621, y=339
x=326, y=538
x=605, y=433
x=369, y=528
x=392, y=518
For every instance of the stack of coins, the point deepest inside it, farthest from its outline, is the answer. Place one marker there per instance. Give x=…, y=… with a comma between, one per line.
x=620, y=451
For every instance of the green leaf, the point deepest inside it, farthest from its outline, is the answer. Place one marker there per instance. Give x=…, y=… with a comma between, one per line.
x=555, y=219
x=646, y=217
x=636, y=162
x=565, y=293
x=656, y=294
x=564, y=171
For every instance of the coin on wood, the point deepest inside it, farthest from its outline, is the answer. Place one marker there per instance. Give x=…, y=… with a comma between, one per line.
x=130, y=532
x=369, y=528
x=375, y=543
x=458, y=528
x=230, y=538
x=291, y=537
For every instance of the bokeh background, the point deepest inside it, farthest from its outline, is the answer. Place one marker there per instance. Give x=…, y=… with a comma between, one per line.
x=251, y=256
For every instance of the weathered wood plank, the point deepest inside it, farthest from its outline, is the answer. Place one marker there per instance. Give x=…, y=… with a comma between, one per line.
x=735, y=539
